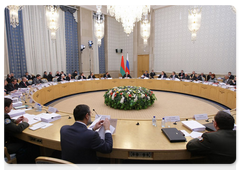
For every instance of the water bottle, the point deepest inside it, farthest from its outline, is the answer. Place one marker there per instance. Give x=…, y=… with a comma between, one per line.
x=163, y=122
x=39, y=108
x=154, y=121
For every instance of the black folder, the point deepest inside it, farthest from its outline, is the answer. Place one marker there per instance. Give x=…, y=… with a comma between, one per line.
x=209, y=127
x=173, y=135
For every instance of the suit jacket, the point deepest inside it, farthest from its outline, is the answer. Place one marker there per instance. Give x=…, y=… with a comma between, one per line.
x=50, y=77
x=105, y=76
x=231, y=77
x=68, y=79
x=8, y=79
x=81, y=77
x=36, y=81
x=79, y=144
x=181, y=74
x=146, y=75
x=162, y=76
x=92, y=77
x=208, y=77
x=10, y=129
x=45, y=76
x=28, y=77
x=22, y=85
x=126, y=76
x=186, y=77
x=10, y=87
x=175, y=76
x=152, y=74
x=233, y=83
x=219, y=146
x=60, y=79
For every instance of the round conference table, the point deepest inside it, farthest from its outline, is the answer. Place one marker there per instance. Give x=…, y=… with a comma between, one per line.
x=130, y=141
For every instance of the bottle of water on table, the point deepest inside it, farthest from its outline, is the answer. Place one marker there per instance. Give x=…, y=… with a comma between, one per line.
x=154, y=121
x=163, y=122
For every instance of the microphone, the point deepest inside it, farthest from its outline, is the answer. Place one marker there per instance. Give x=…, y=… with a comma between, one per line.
x=96, y=112
x=69, y=117
x=207, y=120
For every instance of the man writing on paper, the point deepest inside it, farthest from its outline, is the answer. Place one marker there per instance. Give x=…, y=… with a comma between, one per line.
x=219, y=146
x=80, y=144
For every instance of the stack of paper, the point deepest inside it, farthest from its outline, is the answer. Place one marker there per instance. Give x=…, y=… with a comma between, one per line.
x=14, y=113
x=30, y=118
x=46, y=117
x=194, y=125
x=42, y=125
x=196, y=134
x=19, y=103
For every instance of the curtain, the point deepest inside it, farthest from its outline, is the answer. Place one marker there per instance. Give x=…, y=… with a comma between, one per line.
x=15, y=45
x=43, y=53
x=101, y=55
x=6, y=62
x=72, y=49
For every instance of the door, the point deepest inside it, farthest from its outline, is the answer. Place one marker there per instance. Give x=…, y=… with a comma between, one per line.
x=143, y=64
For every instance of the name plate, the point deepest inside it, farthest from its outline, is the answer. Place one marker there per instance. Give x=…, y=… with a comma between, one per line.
x=52, y=110
x=227, y=111
x=201, y=117
x=172, y=118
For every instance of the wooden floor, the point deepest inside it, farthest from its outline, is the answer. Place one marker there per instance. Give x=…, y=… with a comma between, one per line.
x=167, y=104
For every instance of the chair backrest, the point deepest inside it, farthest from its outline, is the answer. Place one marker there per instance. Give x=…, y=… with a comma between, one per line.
x=76, y=77
x=30, y=81
x=11, y=159
x=54, y=79
x=44, y=80
x=47, y=163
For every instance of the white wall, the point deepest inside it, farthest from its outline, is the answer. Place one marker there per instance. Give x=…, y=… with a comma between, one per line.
x=118, y=39
x=214, y=49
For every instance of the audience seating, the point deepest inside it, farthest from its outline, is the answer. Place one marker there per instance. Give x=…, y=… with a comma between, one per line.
x=48, y=163
x=9, y=159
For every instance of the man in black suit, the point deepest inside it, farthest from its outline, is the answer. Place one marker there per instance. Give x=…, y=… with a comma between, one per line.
x=37, y=80
x=50, y=77
x=192, y=75
x=186, y=77
x=82, y=76
x=45, y=75
x=13, y=85
x=218, y=146
x=173, y=76
x=181, y=74
x=126, y=75
x=61, y=78
x=146, y=74
x=69, y=77
x=230, y=75
x=236, y=81
x=74, y=74
x=162, y=75
x=9, y=78
x=152, y=74
x=24, y=83
x=80, y=144
x=27, y=76
x=58, y=74
x=106, y=75
x=202, y=77
x=209, y=76
x=91, y=76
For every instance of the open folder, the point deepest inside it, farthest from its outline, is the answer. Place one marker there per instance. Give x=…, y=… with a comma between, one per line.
x=173, y=135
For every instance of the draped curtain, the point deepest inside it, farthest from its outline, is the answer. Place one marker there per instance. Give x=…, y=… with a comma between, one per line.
x=71, y=35
x=15, y=44
x=43, y=53
x=101, y=55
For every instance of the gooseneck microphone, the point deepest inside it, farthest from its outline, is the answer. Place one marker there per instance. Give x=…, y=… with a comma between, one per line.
x=96, y=112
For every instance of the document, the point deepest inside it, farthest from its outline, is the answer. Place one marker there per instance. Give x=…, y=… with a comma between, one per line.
x=185, y=133
x=39, y=125
x=195, y=134
x=194, y=125
x=14, y=113
x=30, y=118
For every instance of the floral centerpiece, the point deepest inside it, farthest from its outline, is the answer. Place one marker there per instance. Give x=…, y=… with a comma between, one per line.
x=129, y=97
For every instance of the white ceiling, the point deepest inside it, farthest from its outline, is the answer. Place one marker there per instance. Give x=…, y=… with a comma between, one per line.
x=91, y=5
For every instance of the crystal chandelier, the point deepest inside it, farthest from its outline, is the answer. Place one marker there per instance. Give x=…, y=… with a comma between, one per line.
x=194, y=21
x=52, y=19
x=145, y=29
x=98, y=24
x=236, y=8
x=13, y=13
x=128, y=15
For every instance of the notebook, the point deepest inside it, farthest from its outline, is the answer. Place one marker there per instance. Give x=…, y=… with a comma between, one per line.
x=173, y=135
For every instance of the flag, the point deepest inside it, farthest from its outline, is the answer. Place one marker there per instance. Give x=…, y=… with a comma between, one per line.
x=127, y=65
x=122, y=68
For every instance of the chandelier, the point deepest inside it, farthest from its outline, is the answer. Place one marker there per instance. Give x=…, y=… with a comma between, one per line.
x=194, y=21
x=128, y=15
x=236, y=8
x=98, y=24
x=145, y=29
x=13, y=13
x=52, y=15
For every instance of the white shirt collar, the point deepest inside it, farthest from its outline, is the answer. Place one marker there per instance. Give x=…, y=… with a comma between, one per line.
x=81, y=123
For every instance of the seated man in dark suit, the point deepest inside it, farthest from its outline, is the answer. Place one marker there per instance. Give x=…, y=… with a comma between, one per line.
x=218, y=146
x=69, y=77
x=202, y=77
x=181, y=74
x=233, y=82
x=126, y=75
x=152, y=74
x=12, y=86
x=24, y=83
x=27, y=76
x=173, y=76
x=106, y=75
x=186, y=76
x=91, y=76
x=9, y=78
x=57, y=74
x=50, y=77
x=74, y=74
x=37, y=79
x=82, y=76
x=209, y=76
x=230, y=75
x=162, y=75
x=146, y=74
x=45, y=75
x=80, y=144
x=61, y=78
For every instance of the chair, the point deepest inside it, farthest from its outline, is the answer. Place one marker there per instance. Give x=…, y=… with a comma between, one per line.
x=54, y=79
x=30, y=81
x=76, y=77
x=47, y=163
x=10, y=159
x=44, y=80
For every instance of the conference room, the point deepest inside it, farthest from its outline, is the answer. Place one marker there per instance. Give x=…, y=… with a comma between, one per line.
x=149, y=84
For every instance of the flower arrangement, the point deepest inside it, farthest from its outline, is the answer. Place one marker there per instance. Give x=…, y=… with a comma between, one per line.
x=129, y=97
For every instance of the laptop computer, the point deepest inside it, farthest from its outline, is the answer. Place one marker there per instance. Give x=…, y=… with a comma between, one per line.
x=209, y=127
x=173, y=135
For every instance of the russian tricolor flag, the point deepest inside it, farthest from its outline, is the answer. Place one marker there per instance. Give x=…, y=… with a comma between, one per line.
x=127, y=65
